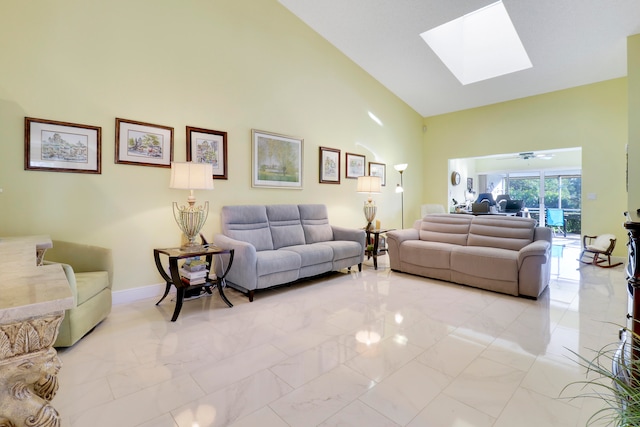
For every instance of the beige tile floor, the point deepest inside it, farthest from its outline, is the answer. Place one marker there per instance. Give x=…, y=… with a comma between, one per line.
x=375, y=348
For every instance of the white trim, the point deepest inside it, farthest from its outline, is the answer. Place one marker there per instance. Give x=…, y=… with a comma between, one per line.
x=126, y=296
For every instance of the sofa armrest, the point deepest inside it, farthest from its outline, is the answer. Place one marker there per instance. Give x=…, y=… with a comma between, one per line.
x=394, y=239
x=244, y=270
x=400, y=236
x=537, y=247
x=534, y=268
x=351, y=234
x=71, y=278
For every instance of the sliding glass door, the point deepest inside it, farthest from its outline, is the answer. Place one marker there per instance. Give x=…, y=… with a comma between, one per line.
x=548, y=189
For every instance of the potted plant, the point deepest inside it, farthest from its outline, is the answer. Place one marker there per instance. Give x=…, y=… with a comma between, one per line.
x=613, y=376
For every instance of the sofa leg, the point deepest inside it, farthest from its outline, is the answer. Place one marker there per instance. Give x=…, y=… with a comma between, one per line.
x=360, y=267
x=250, y=295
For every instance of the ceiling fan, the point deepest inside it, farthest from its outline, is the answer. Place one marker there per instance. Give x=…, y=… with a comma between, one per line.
x=529, y=155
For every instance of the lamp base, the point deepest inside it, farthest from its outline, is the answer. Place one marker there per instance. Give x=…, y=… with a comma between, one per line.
x=190, y=219
x=369, y=214
x=187, y=247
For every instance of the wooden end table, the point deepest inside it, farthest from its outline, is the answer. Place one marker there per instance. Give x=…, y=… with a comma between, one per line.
x=375, y=250
x=173, y=278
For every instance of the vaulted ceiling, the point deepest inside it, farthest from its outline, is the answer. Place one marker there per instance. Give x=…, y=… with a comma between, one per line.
x=570, y=43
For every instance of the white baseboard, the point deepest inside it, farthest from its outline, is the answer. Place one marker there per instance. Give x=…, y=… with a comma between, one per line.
x=130, y=295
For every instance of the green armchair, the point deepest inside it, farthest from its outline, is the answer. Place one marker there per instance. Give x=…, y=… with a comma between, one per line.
x=89, y=270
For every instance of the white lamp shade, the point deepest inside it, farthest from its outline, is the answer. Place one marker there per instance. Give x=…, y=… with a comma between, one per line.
x=369, y=184
x=191, y=176
x=401, y=167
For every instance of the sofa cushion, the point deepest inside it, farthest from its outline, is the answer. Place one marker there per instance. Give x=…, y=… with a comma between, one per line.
x=315, y=223
x=286, y=229
x=445, y=228
x=488, y=263
x=506, y=232
x=269, y=262
x=427, y=254
x=312, y=254
x=248, y=223
x=343, y=249
x=90, y=284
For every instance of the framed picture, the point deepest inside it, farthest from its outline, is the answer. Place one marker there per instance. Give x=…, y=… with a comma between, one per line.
x=277, y=160
x=378, y=169
x=469, y=184
x=143, y=144
x=329, y=166
x=354, y=165
x=62, y=147
x=208, y=146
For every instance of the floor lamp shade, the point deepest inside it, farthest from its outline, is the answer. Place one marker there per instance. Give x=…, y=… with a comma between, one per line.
x=191, y=176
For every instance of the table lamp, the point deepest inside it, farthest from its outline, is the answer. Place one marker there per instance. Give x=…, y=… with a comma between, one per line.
x=369, y=184
x=190, y=218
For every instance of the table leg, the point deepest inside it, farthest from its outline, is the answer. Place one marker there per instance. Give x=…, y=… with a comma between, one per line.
x=166, y=292
x=179, y=299
x=220, y=283
x=180, y=288
x=375, y=250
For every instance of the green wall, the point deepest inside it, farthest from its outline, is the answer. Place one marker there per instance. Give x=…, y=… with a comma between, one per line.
x=227, y=65
x=593, y=117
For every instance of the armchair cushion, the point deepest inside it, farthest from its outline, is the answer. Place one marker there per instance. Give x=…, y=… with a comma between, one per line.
x=601, y=243
x=89, y=271
x=91, y=284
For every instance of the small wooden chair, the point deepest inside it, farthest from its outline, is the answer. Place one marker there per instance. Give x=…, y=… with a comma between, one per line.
x=599, y=247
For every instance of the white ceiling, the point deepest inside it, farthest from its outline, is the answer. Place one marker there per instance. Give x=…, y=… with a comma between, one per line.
x=570, y=43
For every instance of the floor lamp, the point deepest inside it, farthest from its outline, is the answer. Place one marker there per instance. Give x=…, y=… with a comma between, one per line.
x=400, y=187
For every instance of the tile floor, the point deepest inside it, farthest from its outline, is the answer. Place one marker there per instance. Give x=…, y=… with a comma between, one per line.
x=375, y=348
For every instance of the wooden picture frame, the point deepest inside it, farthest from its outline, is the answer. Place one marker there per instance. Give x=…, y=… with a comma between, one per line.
x=378, y=169
x=143, y=144
x=329, y=168
x=55, y=146
x=208, y=146
x=354, y=165
x=277, y=160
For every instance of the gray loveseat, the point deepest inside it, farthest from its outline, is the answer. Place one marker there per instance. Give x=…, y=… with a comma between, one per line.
x=279, y=244
x=498, y=253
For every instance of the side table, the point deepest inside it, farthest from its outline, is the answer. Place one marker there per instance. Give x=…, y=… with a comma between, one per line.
x=173, y=278
x=375, y=250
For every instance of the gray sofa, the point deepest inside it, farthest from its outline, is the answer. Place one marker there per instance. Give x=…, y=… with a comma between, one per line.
x=498, y=253
x=280, y=244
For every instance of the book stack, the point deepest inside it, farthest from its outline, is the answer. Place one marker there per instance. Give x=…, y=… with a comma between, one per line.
x=194, y=271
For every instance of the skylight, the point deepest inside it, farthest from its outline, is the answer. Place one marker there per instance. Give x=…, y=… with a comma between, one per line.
x=480, y=45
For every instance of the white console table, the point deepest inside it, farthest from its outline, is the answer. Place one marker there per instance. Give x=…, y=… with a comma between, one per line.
x=33, y=299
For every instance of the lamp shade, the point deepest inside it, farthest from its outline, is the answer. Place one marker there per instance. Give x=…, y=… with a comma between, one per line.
x=369, y=184
x=401, y=167
x=191, y=176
